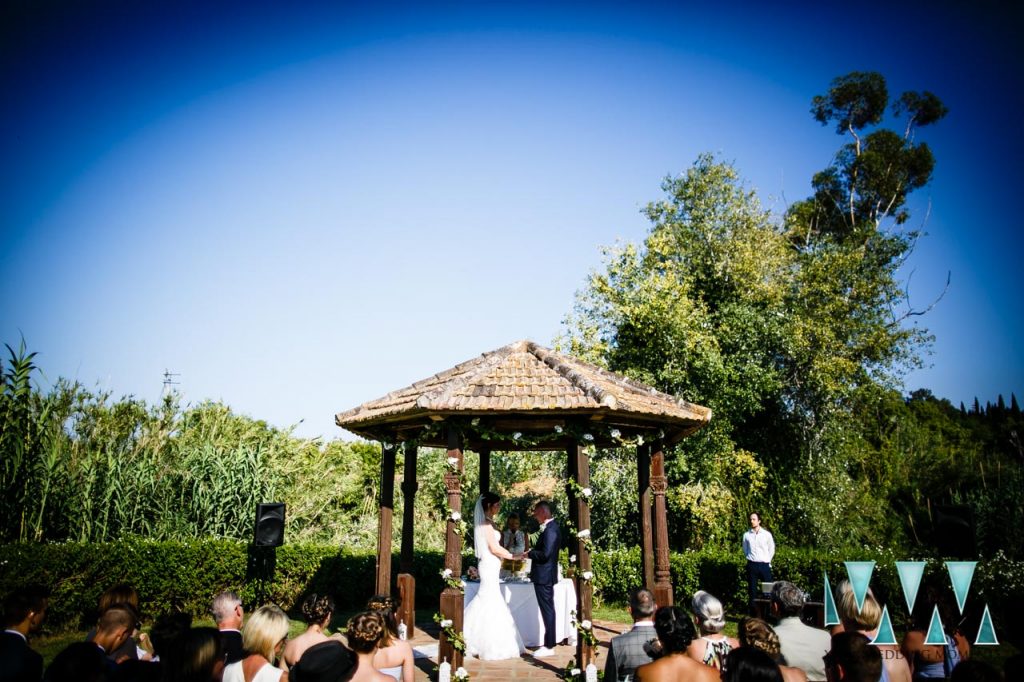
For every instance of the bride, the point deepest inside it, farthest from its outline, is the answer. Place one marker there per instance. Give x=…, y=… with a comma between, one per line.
x=489, y=630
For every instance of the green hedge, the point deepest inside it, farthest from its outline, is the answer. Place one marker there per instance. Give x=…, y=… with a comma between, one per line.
x=184, y=576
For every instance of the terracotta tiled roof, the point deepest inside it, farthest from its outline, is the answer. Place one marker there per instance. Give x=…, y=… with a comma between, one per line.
x=526, y=379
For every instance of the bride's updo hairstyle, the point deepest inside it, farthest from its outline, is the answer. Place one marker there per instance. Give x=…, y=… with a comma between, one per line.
x=386, y=607
x=489, y=499
x=674, y=628
x=364, y=632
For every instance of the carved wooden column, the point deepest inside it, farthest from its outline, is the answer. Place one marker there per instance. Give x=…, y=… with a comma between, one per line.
x=659, y=483
x=643, y=475
x=406, y=581
x=485, y=470
x=387, y=508
x=580, y=463
x=452, y=597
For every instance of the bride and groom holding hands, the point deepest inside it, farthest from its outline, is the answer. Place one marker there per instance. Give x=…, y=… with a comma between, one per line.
x=488, y=627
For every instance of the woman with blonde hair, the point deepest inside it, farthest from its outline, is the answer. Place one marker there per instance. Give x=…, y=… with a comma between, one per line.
x=263, y=638
x=364, y=632
x=757, y=633
x=712, y=647
x=394, y=657
x=866, y=620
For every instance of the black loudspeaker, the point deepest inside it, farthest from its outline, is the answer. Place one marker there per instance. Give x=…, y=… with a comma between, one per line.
x=954, y=532
x=269, y=524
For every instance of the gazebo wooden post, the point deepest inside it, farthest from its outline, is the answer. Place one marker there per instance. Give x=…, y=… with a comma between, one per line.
x=485, y=470
x=387, y=507
x=580, y=463
x=643, y=475
x=452, y=597
x=659, y=483
x=406, y=581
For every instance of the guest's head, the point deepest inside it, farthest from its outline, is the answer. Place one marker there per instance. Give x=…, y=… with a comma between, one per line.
x=117, y=595
x=227, y=611
x=674, y=628
x=387, y=608
x=641, y=604
x=115, y=625
x=317, y=609
x=25, y=609
x=750, y=664
x=327, y=661
x=787, y=599
x=512, y=521
x=167, y=634
x=365, y=631
x=852, y=658
x=491, y=502
x=265, y=632
x=755, y=520
x=79, y=662
x=200, y=657
x=756, y=633
x=709, y=612
x=864, y=619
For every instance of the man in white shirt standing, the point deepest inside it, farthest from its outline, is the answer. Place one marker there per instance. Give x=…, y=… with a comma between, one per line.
x=759, y=548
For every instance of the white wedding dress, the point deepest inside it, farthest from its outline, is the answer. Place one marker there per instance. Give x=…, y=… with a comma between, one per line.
x=488, y=628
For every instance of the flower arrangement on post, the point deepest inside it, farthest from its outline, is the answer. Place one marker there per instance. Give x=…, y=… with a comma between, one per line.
x=579, y=491
x=584, y=535
x=453, y=464
x=585, y=630
x=461, y=527
x=451, y=580
x=461, y=673
x=453, y=636
x=572, y=671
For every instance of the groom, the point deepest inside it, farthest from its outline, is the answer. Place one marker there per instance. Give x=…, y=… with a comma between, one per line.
x=544, y=573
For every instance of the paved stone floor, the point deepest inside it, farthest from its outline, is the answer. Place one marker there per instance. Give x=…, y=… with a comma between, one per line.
x=525, y=667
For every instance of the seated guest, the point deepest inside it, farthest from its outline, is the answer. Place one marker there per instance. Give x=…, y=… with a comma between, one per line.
x=126, y=597
x=166, y=635
x=329, y=661
x=113, y=629
x=756, y=633
x=199, y=657
x=675, y=632
x=852, y=658
x=628, y=651
x=802, y=645
x=228, y=612
x=23, y=614
x=364, y=633
x=934, y=661
x=866, y=621
x=712, y=647
x=317, y=610
x=263, y=639
x=749, y=664
x=513, y=538
x=79, y=662
x=394, y=657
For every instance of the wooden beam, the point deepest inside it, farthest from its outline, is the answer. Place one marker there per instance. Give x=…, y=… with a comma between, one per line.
x=485, y=470
x=451, y=597
x=584, y=589
x=406, y=581
x=643, y=475
x=659, y=484
x=386, y=512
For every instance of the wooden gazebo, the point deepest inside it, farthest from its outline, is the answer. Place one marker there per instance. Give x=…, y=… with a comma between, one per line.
x=524, y=397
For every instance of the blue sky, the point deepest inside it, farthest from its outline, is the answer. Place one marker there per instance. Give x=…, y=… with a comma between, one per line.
x=300, y=209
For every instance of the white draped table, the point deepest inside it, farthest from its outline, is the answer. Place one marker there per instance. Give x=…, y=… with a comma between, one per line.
x=522, y=601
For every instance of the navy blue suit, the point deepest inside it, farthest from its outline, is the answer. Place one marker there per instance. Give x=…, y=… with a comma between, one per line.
x=544, y=574
x=18, y=662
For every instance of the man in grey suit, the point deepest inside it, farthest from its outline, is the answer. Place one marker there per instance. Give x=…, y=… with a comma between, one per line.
x=628, y=651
